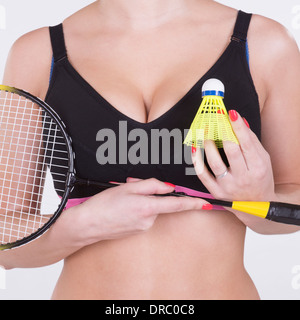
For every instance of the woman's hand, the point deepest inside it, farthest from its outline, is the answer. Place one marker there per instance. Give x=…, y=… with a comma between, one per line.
x=129, y=209
x=249, y=176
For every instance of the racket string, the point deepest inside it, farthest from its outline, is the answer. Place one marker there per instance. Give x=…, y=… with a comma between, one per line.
x=23, y=227
x=31, y=147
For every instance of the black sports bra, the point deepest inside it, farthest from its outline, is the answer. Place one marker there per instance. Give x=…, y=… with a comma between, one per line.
x=110, y=146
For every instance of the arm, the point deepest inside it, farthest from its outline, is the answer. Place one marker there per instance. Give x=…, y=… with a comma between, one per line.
x=100, y=218
x=267, y=171
x=281, y=114
x=278, y=65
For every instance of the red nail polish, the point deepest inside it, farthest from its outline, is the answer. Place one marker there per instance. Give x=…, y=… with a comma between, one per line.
x=170, y=184
x=246, y=122
x=207, y=206
x=233, y=115
x=194, y=150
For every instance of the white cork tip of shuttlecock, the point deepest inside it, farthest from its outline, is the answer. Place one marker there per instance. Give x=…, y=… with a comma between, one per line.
x=213, y=87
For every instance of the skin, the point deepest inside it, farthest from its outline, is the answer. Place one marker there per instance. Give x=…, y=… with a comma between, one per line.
x=140, y=247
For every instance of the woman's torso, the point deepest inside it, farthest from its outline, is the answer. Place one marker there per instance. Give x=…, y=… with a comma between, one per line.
x=190, y=255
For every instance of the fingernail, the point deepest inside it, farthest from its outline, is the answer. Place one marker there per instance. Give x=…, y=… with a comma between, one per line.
x=170, y=184
x=207, y=206
x=194, y=150
x=114, y=182
x=233, y=115
x=246, y=122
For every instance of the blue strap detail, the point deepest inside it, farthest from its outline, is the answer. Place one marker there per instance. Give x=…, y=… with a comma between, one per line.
x=52, y=67
x=213, y=93
x=247, y=53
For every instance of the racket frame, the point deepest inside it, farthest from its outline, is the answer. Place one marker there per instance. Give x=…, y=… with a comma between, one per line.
x=69, y=176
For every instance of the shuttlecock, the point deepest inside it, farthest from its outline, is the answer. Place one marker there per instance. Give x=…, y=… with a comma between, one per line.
x=211, y=121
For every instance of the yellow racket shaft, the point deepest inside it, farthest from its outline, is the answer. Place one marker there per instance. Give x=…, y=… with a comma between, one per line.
x=259, y=209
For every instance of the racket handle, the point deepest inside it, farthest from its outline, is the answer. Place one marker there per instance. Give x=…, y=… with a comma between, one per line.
x=284, y=213
x=274, y=211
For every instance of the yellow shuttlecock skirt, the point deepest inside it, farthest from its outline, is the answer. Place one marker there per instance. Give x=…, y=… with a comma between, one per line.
x=210, y=123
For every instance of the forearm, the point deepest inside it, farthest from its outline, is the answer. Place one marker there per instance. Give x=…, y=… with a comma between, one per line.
x=62, y=239
x=287, y=193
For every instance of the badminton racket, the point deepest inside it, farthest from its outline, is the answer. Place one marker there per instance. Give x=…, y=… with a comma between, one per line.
x=37, y=172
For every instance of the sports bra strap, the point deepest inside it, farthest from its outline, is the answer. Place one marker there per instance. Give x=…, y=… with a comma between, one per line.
x=58, y=42
x=241, y=27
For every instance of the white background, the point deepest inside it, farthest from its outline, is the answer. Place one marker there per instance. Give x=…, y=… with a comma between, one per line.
x=272, y=261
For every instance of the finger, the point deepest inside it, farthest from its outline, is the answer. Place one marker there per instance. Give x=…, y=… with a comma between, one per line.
x=163, y=205
x=202, y=172
x=129, y=179
x=116, y=183
x=150, y=187
x=214, y=159
x=248, y=145
x=235, y=158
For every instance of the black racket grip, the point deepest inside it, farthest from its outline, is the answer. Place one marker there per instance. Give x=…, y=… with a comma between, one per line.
x=284, y=213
